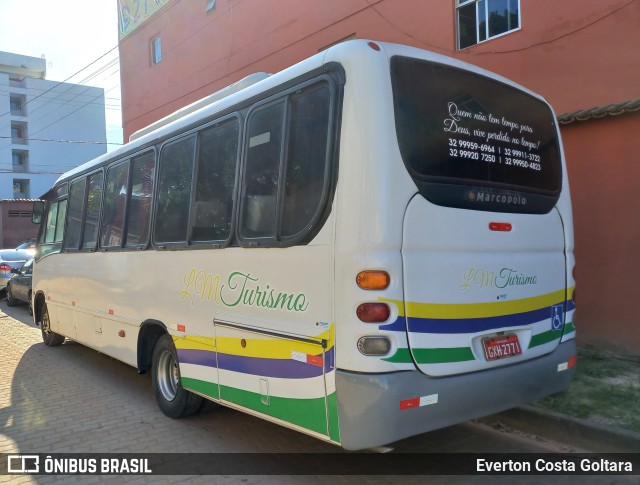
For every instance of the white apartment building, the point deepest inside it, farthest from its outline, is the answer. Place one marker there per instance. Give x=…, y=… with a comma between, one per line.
x=46, y=127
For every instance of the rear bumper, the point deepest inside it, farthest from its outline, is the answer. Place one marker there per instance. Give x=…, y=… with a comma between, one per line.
x=370, y=411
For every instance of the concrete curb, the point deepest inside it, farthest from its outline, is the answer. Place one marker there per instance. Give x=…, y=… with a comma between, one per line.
x=580, y=433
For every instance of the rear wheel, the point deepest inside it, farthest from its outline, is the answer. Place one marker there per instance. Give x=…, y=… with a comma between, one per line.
x=173, y=399
x=50, y=339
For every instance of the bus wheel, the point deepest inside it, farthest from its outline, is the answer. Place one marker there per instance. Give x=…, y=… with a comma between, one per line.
x=50, y=339
x=173, y=399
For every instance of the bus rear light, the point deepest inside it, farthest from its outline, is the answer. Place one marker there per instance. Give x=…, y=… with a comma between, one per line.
x=373, y=280
x=374, y=345
x=500, y=226
x=373, y=312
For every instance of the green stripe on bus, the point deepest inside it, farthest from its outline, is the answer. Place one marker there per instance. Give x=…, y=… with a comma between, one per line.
x=402, y=356
x=432, y=356
x=203, y=387
x=307, y=413
x=545, y=337
x=568, y=328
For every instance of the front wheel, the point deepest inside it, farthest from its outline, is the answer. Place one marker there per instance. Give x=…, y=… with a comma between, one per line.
x=50, y=339
x=173, y=399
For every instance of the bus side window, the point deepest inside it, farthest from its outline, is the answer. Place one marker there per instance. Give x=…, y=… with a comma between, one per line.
x=140, y=196
x=52, y=219
x=262, y=172
x=62, y=215
x=217, y=160
x=53, y=233
x=92, y=211
x=115, y=198
x=74, y=214
x=286, y=167
x=306, y=159
x=174, y=191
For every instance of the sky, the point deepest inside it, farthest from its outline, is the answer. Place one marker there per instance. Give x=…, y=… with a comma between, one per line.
x=70, y=34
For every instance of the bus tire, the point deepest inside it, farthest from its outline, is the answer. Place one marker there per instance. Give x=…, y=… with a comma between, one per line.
x=50, y=339
x=172, y=398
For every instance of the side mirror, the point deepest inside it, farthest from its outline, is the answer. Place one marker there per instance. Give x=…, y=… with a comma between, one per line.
x=38, y=211
x=15, y=270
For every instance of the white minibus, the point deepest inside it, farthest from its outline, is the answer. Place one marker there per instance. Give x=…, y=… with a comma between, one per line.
x=371, y=244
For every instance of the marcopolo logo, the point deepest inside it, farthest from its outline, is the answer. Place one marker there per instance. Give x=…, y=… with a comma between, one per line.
x=482, y=196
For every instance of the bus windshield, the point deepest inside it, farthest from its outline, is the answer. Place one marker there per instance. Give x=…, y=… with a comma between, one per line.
x=459, y=130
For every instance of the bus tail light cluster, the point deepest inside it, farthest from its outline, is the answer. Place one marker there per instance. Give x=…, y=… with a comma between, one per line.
x=373, y=312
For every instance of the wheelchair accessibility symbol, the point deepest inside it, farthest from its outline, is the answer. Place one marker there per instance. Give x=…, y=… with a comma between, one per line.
x=557, y=317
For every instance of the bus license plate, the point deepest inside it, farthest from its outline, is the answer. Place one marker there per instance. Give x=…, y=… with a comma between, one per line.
x=501, y=347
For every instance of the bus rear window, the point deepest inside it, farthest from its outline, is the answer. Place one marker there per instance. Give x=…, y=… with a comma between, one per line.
x=473, y=142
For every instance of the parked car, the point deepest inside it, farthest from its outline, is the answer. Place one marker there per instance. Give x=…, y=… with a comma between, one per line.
x=28, y=245
x=19, y=285
x=11, y=259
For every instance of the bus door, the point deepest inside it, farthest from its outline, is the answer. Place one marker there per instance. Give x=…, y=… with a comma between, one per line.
x=482, y=289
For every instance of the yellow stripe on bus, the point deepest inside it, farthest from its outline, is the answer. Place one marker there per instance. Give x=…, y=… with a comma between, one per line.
x=479, y=310
x=269, y=348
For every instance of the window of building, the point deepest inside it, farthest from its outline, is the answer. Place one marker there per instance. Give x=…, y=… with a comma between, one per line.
x=20, y=160
x=17, y=103
x=481, y=20
x=18, y=133
x=21, y=189
x=156, y=50
x=17, y=81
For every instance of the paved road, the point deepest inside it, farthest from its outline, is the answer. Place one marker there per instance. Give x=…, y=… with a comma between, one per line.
x=72, y=399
